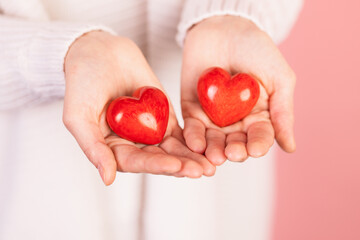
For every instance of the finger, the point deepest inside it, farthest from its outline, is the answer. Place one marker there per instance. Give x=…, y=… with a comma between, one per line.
x=194, y=165
x=260, y=138
x=150, y=159
x=208, y=169
x=177, y=133
x=194, y=134
x=92, y=142
x=236, y=147
x=154, y=149
x=282, y=116
x=215, y=146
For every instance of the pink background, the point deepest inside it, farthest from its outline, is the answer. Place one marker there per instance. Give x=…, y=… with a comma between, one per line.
x=318, y=187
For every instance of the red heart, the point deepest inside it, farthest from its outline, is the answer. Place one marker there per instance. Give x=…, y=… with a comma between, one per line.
x=142, y=118
x=227, y=99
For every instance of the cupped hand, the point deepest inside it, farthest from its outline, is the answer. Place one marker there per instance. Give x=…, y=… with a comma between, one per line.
x=100, y=67
x=237, y=45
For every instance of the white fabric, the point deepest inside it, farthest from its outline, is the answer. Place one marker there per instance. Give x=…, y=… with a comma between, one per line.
x=28, y=48
x=275, y=17
x=49, y=190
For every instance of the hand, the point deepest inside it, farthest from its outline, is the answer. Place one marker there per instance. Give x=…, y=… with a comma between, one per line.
x=100, y=67
x=237, y=45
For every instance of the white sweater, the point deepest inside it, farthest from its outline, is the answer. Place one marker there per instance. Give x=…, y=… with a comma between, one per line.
x=36, y=34
x=49, y=190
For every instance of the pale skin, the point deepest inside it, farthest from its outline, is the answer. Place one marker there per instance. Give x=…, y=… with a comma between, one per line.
x=237, y=45
x=100, y=67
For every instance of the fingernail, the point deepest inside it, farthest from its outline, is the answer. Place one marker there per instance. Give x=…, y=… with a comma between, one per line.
x=102, y=173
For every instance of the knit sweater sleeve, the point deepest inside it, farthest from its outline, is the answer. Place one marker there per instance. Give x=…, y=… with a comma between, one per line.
x=32, y=58
x=275, y=17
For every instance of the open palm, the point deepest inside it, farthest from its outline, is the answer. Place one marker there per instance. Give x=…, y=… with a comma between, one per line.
x=237, y=45
x=100, y=67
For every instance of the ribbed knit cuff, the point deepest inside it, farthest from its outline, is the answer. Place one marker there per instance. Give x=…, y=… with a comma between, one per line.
x=32, y=55
x=275, y=17
x=41, y=60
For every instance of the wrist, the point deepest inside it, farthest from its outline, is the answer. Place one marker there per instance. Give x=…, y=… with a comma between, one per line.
x=88, y=45
x=228, y=19
x=225, y=25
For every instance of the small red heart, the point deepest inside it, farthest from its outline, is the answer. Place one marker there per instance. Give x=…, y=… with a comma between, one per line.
x=142, y=118
x=227, y=99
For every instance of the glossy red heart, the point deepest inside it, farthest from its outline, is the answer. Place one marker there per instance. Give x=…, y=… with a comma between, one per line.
x=142, y=118
x=227, y=99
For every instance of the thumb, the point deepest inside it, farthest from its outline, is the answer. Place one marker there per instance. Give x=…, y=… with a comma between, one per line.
x=92, y=142
x=282, y=114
